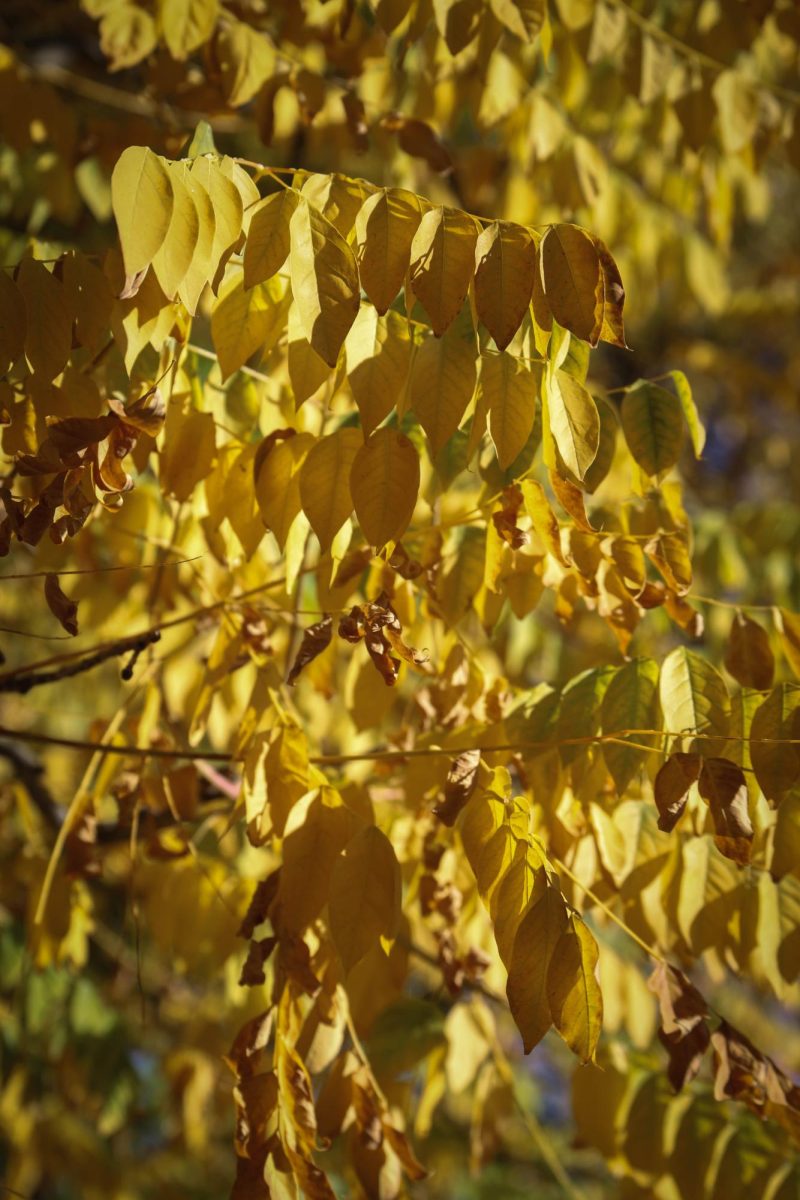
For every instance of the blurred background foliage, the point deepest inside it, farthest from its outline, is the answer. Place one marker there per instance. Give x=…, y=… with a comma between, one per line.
x=672, y=131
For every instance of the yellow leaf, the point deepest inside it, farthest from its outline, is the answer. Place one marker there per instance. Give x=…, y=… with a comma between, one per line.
x=442, y=383
x=365, y=895
x=338, y=198
x=613, y=328
x=384, y=229
x=48, y=336
x=277, y=483
x=708, y=896
x=524, y=18
x=576, y=1004
x=325, y=482
x=505, y=268
x=307, y=372
x=142, y=200
x=201, y=268
x=324, y=281
x=315, y=834
x=521, y=886
x=267, y=245
x=511, y=388
x=378, y=352
x=247, y=60
x=226, y=200
x=694, y=699
x=127, y=35
x=384, y=482
x=462, y=580
x=245, y=321
x=574, y=421
x=536, y=939
x=443, y=263
x=12, y=323
x=188, y=451
x=572, y=280
x=247, y=190
x=174, y=256
x=187, y=24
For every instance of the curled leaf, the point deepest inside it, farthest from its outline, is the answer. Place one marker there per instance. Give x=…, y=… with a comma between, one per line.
x=315, y=639
x=64, y=609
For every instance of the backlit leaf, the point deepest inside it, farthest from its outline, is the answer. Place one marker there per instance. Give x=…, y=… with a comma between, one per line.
x=384, y=229
x=268, y=241
x=576, y=1005
x=365, y=895
x=244, y=321
x=534, y=945
x=775, y=760
x=174, y=256
x=653, y=426
x=277, y=483
x=505, y=265
x=630, y=702
x=325, y=482
x=443, y=263
x=573, y=280
x=694, y=699
x=695, y=426
x=574, y=421
x=443, y=376
x=142, y=200
x=324, y=281
x=384, y=481
x=378, y=352
x=187, y=24
x=511, y=391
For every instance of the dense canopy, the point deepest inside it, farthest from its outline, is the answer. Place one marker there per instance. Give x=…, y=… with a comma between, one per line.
x=400, y=702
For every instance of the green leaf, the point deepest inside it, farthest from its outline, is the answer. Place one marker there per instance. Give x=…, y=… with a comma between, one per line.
x=694, y=699
x=695, y=426
x=653, y=426
x=630, y=702
x=576, y=1005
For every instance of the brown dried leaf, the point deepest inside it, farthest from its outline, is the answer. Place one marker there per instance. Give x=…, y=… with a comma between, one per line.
x=315, y=639
x=64, y=609
x=419, y=140
x=723, y=785
x=672, y=785
x=749, y=656
x=461, y=780
x=684, y=1032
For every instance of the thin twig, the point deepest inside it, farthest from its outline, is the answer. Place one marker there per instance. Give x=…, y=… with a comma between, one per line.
x=23, y=683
